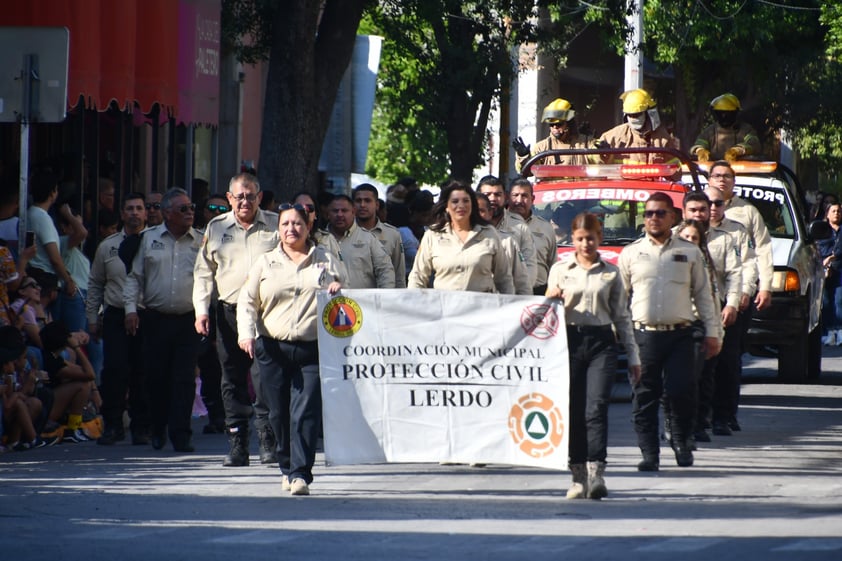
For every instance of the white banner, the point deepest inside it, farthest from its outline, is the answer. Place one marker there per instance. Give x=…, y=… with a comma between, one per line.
x=435, y=375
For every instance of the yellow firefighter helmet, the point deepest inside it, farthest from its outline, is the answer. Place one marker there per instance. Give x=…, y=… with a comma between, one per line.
x=725, y=102
x=558, y=110
x=636, y=101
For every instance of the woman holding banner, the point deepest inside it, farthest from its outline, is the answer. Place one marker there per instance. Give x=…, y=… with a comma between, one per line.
x=461, y=251
x=276, y=322
x=595, y=306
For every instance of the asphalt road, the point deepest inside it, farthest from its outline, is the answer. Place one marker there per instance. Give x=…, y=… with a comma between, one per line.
x=771, y=491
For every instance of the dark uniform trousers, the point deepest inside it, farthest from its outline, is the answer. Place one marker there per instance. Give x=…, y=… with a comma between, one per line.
x=123, y=372
x=593, y=365
x=668, y=360
x=290, y=372
x=726, y=393
x=236, y=365
x=171, y=348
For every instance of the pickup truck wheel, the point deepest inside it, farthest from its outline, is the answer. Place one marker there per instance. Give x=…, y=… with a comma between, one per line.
x=792, y=361
x=814, y=353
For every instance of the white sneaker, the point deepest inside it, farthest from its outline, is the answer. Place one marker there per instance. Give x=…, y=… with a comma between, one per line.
x=838, y=334
x=299, y=487
x=285, y=486
x=829, y=340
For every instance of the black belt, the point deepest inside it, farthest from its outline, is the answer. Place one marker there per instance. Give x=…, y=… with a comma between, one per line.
x=661, y=327
x=227, y=306
x=151, y=312
x=589, y=329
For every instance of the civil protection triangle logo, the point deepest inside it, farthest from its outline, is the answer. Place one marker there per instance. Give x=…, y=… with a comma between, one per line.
x=536, y=425
x=342, y=317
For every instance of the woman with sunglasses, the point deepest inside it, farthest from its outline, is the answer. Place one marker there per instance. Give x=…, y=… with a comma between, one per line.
x=595, y=306
x=277, y=324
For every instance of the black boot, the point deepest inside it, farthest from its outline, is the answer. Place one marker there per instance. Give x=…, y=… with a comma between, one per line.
x=268, y=446
x=238, y=438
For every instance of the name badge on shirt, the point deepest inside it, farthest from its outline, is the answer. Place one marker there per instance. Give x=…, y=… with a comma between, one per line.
x=156, y=245
x=359, y=245
x=113, y=252
x=680, y=258
x=227, y=238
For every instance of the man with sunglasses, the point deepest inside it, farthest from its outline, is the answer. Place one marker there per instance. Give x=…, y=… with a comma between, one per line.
x=233, y=241
x=726, y=391
x=726, y=266
x=162, y=272
x=668, y=286
x=153, y=209
x=122, y=370
x=559, y=116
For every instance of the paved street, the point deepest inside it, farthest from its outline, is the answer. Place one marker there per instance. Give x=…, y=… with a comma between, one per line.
x=772, y=491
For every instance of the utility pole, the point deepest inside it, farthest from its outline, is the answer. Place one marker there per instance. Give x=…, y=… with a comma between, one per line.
x=634, y=55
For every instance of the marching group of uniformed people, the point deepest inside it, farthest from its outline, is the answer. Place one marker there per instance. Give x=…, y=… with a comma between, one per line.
x=251, y=278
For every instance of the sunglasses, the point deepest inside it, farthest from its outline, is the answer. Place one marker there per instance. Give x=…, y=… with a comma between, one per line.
x=250, y=197
x=184, y=209
x=217, y=208
x=31, y=285
x=150, y=206
x=296, y=206
x=722, y=176
x=720, y=202
x=660, y=213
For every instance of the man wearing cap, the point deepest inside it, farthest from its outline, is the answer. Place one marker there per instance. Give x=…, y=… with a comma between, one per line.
x=642, y=129
x=506, y=221
x=162, y=271
x=233, y=241
x=365, y=206
x=122, y=370
x=727, y=137
x=668, y=286
x=559, y=115
x=543, y=234
x=364, y=257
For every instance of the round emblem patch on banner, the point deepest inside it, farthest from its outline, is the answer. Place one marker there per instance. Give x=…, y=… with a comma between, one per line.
x=539, y=321
x=342, y=317
x=536, y=425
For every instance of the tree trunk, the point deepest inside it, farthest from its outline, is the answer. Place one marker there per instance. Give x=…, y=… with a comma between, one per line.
x=311, y=49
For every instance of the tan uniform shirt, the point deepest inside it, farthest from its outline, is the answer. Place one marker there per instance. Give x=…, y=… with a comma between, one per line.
x=163, y=271
x=278, y=299
x=108, y=275
x=546, y=252
x=624, y=136
x=366, y=262
x=595, y=296
x=748, y=259
x=551, y=143
x=727, y=265
x=520, y=276
x=514, y=225
x=746, y=214
x=717, y=140
x=665, y=281
x=477, y=265
x=392, y=242
x=228, y=252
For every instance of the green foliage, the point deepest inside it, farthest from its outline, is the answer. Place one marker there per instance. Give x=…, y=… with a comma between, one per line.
x=442, y=67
